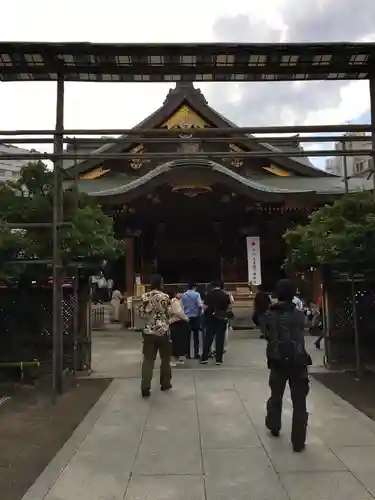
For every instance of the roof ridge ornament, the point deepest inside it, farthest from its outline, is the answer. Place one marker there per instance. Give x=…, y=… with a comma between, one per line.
x=185, y=88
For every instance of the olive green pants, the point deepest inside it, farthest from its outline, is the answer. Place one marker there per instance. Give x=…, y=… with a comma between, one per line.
x=152, y=344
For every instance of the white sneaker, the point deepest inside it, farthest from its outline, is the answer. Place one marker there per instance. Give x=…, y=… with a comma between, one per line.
x=173, y=363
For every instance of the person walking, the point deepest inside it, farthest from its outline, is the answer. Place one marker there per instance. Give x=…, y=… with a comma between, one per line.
x=110, y=285
x=180, y=332
x=287, y=361
x=230, y=318
x=262, y=303
x=298, y=302
x=192, y=305
x=217, y=303
x=155, y=306
x=317, y=325
x=116, y=301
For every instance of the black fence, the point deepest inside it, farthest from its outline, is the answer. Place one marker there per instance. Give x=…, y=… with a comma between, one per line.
x=342, y=350
x=26, y=326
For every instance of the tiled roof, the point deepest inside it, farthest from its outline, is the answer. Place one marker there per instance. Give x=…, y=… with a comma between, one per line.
x=121, y=184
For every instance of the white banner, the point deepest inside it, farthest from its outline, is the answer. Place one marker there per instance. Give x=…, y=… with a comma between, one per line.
x=253, y=260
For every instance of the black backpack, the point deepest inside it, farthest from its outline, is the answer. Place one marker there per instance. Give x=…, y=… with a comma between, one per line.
x=290, y=350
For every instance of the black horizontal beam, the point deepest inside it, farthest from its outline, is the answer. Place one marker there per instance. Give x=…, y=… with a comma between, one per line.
x=201, y=132
x=30, y=261
x=139, y=46
x=199, y=68
x=125, y=141
x=266, y=153
x=32, y=225
x=99, y=59
x=138, y=49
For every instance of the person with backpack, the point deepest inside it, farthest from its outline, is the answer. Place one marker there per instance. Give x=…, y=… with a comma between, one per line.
x=287, y=361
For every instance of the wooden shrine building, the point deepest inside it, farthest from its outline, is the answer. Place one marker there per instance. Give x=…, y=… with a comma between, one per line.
x=188, y=220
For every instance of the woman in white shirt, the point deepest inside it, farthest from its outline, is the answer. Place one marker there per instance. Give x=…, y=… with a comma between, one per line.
x=116, y=301
x=180, y=332
x=298, y=302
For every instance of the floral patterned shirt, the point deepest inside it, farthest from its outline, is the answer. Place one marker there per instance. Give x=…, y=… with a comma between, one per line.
x=155, y=307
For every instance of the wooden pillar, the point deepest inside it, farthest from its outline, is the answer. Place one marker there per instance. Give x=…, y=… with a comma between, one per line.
x=129, y=265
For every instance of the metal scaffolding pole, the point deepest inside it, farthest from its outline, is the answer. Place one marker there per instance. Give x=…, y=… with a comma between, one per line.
x=352, y=279
x=76, y=279
x=201, y=132
x=203, y=155
x=372, y=111
x=129, y=141
x=345, y=162
x=57, y=322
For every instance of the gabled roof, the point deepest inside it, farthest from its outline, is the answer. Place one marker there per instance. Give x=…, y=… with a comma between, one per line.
x=186, y=93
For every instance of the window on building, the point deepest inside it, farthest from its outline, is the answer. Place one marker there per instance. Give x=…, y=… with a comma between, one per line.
x=360, y=166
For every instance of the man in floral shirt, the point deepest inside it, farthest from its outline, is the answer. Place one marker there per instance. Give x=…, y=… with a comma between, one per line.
x=156, y=336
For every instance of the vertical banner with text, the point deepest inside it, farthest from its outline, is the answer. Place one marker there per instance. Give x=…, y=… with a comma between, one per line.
x=253, y=260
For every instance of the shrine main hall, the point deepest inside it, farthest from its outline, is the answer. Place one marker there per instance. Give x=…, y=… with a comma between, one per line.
x=189, y=219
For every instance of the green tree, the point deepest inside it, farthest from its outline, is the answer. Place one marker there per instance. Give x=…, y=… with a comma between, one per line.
x=337, y=235
x=89, y=239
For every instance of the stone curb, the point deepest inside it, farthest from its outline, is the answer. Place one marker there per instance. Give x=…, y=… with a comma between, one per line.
x=39, y=490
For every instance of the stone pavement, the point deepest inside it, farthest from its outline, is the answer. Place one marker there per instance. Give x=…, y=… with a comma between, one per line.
x=206, y=439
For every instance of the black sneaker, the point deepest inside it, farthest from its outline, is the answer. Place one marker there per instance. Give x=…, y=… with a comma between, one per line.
x=297, y=448
x=219, y=363
x=166, y=387
x=146, y=393
x=275, y=433
x=203, y=361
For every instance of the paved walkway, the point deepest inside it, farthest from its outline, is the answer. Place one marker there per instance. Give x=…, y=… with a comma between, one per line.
x=205, y=439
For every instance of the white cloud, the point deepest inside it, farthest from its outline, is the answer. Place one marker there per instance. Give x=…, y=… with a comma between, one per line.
x=355, y=100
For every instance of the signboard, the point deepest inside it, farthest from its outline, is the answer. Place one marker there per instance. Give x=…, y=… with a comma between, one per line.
x=253, y=260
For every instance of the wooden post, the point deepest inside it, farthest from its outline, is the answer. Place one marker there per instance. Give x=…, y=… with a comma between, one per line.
x=129, y=265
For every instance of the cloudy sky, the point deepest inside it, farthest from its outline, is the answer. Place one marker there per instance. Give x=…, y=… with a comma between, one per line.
x=106, y=105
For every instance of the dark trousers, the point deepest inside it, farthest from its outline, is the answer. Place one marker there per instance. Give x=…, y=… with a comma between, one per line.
x=319, y=332
x=298, y=380
x=215, y=329
x=319, y=340
x=180, y=334
x=195, y=326
x=152, y=344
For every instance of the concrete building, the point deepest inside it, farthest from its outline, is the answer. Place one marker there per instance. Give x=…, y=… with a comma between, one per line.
x=357, y=165
x=10, y=169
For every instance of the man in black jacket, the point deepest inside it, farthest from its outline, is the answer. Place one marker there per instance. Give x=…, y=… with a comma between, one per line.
x=287, y=360
x=216, y=304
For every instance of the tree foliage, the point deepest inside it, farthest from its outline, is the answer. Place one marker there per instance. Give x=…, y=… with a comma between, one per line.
x=342, y=234
x=90, y=238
